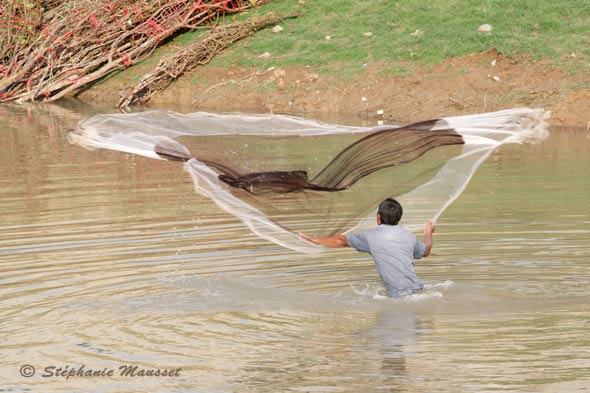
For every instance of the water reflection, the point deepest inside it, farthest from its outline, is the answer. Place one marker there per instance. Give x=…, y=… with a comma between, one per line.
x=108, y=259
x=393, y=330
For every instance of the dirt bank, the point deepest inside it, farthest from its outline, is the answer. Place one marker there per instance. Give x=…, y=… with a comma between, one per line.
x=476, y=83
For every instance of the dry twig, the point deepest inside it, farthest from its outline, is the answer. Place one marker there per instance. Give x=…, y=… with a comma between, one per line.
x=196, y=54
x=77, y=42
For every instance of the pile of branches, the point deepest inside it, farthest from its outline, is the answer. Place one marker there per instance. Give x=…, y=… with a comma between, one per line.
x=196, y=54
x=19, y=23
x=54, y=48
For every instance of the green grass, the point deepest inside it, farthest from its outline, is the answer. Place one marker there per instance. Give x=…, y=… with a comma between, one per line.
x=543, y=29
x=459, y=72
x=400, y=70
x=267, y=86
x=522, y=96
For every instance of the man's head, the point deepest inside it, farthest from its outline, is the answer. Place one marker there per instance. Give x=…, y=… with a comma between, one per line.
x=390, y=212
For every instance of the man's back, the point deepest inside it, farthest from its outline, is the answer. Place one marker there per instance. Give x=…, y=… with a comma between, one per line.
x=393, y=248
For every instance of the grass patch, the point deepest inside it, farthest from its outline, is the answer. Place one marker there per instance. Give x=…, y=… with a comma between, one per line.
x=459, y=72
x=267, y=86
x=580, y=86
x=414, y=31
x=522, y=96
x=195, y=80
x=404, y=34
x=399, y=70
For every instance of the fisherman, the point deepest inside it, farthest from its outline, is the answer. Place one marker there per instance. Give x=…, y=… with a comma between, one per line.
x=392, y=246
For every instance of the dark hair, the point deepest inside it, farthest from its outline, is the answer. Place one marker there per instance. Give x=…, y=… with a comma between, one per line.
x=382, y=149
x=390, y=211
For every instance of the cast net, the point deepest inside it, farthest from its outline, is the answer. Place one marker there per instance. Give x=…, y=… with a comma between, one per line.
x=281, y=175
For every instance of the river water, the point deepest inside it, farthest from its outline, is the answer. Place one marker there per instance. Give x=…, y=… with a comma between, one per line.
x=109, y=259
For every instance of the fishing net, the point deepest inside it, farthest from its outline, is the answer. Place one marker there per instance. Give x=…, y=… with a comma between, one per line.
x=281, y=175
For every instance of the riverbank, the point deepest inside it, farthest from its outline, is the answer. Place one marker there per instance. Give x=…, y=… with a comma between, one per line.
x=388, y=61
x=469, y=84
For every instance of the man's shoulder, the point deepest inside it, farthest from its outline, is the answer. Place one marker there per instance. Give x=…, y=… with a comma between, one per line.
x=397, y=230
x=405, y=229
x=408, y=232
x=362, y=234
x=384, y=229
x=392, y=228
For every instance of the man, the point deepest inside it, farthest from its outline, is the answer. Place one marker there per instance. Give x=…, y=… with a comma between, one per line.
x=393, y=248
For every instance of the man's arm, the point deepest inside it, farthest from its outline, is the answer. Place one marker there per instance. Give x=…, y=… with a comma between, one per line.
x=332, y=241
x=428, y=231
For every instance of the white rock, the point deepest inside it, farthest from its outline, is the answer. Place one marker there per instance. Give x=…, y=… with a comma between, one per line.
x=496, y=78
x=311, y=76
x=485, y=28
x=265, y=55
x=328, y=38
x=368, y=34
x=277, y=29
x=380, y=112
x=364, y=99
x=493, y=63
x=417, y=33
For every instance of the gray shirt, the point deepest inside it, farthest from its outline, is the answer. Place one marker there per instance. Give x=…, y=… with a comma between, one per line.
x=393, y=248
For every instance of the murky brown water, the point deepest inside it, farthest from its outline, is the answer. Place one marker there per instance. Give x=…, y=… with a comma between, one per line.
x=108, y=259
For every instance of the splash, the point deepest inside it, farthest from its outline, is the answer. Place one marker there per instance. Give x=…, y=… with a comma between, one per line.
x=334, y=176
x=376, y=291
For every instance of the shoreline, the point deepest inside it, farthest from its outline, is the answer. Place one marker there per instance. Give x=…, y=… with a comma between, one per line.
x=477, y=83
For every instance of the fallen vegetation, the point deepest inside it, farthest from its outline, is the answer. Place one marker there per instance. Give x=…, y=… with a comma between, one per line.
x=199, y=53
x=54, y=51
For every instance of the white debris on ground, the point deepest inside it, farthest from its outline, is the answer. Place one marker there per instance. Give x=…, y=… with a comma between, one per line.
x=485, y=28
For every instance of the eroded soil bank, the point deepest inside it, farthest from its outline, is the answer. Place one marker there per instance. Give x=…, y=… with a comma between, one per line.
x=470, y=84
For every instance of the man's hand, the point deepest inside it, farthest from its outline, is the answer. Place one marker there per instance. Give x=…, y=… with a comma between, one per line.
x=429, y=227
x=332, y=241
x=428, y=231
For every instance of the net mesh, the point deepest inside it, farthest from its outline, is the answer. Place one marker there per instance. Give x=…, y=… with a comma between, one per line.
x=281, y=175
